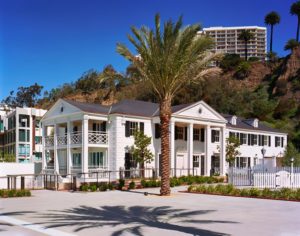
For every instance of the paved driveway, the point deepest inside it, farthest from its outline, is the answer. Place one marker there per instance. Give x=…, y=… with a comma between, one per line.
x=132, y=213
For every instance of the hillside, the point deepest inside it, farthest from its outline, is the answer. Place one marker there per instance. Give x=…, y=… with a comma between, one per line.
x=269, y=91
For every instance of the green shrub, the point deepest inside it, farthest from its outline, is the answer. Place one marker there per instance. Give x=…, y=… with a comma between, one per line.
x=103, y=187
x=243, y=70
x=84, y=188
x=132, y=185
x=254, y=192
x=244, y=192
x=14, y=193
x=143, y=183
x=121, y=183
x=93, y=188
x=110, y=186
x=266, y=192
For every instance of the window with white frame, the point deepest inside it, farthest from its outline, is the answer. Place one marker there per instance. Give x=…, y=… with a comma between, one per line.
x=277, y=141
x=254, y=139
x=215, y=136
x=76, y=159
x=243, y=138
x=196, y=160
x=196, y=133
x=133, y=127
x=97, y=160
x=242, y=162
x=265, y=140
x=180, y=133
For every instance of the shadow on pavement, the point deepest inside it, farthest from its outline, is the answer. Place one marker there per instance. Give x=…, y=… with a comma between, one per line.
x=131, y=219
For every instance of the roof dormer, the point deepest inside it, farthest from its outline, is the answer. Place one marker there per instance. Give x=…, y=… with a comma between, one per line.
x=253, y=122
x=233, y=120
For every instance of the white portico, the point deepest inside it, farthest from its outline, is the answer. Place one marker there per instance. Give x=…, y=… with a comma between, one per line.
x=74, y=141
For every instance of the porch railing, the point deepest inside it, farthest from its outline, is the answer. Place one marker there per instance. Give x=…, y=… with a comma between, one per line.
x=97, y=137
x=49, y=141
x=76, y=138
x=62, y=140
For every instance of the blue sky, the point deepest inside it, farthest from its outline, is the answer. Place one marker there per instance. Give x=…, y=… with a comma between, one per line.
x=54, y=41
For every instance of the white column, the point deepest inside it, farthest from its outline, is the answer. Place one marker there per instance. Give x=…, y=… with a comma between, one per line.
x=69, y=154
x=56, y=165
x=44, y=134
x=85, y=148
x=172, y=145
x=190, y=146
x=30, y=127
x=207, y=150
x=222, y=152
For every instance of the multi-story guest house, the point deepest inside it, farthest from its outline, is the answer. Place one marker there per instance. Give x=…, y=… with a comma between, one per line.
x=22, y=135
x=81, y=137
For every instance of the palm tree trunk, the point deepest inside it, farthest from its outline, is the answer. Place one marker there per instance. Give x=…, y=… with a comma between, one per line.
x=165, y=115
x=298, y=25
x=246, y=51
x=271, y=39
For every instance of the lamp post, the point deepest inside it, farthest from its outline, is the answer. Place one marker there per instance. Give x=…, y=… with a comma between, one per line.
x=292, y=170
x=263, y=152
x=26, y=122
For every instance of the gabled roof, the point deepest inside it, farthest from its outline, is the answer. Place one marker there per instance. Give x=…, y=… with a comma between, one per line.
x=89, y=107
x=135, y=108
x=241, y=123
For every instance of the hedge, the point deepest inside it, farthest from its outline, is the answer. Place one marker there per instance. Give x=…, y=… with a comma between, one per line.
x=230, y=190
x=14, y=193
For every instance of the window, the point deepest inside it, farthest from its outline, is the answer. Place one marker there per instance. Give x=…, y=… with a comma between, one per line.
x=38, y=140
x=96, y=160
x=131, y=127
x=196, y=134
x=24, y=134
x=24, y=121
x=215, y=136
x=265, y=140
x=243, y=138
x=242, y=162
x=37, y=123
x=254, y=139
x=24, y=150
x=76, y=159
x=196, y=160
x=38, y=156
x=157, y=130
x=179, y=132
x=278, y=141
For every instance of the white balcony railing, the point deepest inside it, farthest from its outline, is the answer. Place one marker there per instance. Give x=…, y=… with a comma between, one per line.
x=76, y=138
x=49, y=141
x=62, y=140
x=97, y=137
x=94, y=137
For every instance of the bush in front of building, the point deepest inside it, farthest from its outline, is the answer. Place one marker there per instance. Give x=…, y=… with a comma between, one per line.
x=230, y=190
x=132, y=185
x=14, y=193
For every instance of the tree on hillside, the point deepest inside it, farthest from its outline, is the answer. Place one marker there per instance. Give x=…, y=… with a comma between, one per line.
x=169, y=59
x=295, y=10
x=291, y=44
x=272, y=19
x=246, y=36
x=25, y=96
x=140, y=150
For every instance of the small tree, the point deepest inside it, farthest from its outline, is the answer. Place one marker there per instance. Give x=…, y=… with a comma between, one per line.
x=140, y=151
x=291, y=44
x=232, y=152
x=290, y=152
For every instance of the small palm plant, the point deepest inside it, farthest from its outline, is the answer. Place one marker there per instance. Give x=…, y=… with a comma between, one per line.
x=169, y=59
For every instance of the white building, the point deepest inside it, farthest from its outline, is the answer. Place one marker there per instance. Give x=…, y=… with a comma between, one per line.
x=23, y=134
x=82, y=137
x=226, y=40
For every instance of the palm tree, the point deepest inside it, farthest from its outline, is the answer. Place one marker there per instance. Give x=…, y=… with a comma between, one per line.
x=168, y=60
x=272, y=19
x=295, y=10
x=246, y=36
x=291, y=44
